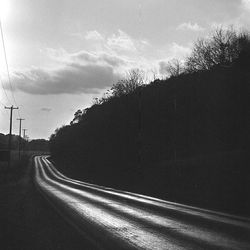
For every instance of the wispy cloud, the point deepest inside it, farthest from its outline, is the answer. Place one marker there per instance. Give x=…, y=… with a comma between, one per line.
x=190, y=26
x=238, y=22
x=121, y=41
x=99, y=58
x=93, y=35
x=46, y=110
x=178, y=51
x=246, y=4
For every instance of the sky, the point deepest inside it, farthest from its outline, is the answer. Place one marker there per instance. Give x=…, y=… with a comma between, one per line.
x=63, y=53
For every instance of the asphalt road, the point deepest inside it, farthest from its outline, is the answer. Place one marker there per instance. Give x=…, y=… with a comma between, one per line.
x=113, y=219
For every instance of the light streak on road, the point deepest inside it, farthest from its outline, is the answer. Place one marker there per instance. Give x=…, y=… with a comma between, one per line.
x=114, y=219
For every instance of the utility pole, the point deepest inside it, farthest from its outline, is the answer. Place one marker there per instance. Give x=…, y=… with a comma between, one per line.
x=24, y=132
x=175, y=127
x=20, y=136
x=10, y=134
x=24, y=137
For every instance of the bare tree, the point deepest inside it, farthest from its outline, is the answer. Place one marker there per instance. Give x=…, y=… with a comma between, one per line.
x=134, y=79
x=221, y=49
x=174, y=67
x=155, y=74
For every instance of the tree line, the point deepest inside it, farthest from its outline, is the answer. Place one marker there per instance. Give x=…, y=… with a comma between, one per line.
x=32, y=145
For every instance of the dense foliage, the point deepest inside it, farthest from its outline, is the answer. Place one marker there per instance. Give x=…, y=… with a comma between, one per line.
x=185, y=138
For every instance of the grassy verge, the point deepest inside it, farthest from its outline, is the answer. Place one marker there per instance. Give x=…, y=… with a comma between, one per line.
x=16, y=171
x=27, y=221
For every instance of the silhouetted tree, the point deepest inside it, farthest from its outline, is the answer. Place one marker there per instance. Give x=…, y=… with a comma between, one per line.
x=174, y=68
x=134, y=79
x=77, y=116
x=224, y=47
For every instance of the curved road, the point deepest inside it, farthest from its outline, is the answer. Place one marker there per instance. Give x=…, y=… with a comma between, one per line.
x=114, y=219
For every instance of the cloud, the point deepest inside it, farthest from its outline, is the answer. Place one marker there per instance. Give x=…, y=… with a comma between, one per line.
x=91, y=72
x=93, y=35
x=121, y=41
x=115, y=43
x=94, y=70
x=46, y=109
x=246, y=4
x=100, y=58
x=178, y=51
x=76, y=73
x=174, y=51
x=243, y=21
x=80, y=72
x=70, y=79
x=239, y=22
x=190, y=26
x=163, y=67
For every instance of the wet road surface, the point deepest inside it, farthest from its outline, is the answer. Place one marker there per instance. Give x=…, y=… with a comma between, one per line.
x=113, y=219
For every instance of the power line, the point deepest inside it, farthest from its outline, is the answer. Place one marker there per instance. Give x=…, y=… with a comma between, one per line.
x=1, y=109
x=4, y=90
x=3, y=106
x=2, y=103
x=6, y=61
x=7, y=66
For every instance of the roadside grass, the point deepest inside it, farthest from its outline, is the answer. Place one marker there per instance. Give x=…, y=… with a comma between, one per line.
x=14, y=172
x=27, y=221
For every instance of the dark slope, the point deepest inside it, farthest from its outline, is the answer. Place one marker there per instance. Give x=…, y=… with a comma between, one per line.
x=184, y=139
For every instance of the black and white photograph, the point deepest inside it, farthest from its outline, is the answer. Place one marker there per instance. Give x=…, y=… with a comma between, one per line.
x=124, y=124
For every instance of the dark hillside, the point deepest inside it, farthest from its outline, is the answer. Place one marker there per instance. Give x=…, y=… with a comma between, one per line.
x=183, y=139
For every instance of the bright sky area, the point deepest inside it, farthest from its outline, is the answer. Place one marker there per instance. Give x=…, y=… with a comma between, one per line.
x=63, y=53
